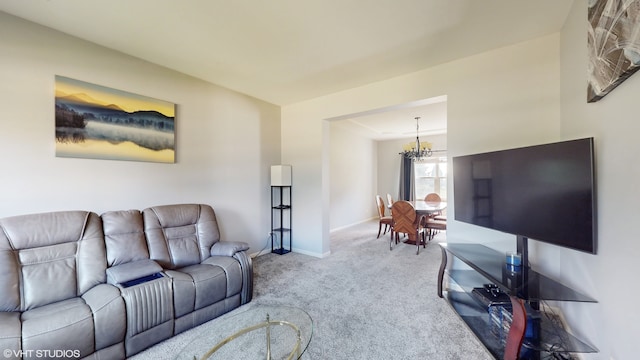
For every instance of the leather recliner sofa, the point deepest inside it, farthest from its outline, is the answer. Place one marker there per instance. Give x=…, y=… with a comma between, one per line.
x=78, y=285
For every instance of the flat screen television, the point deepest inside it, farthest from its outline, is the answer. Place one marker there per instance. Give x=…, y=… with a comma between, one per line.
x=543, y=192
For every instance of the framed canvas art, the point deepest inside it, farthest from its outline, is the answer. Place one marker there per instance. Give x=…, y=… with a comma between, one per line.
x=98, y=122
x=613, y=41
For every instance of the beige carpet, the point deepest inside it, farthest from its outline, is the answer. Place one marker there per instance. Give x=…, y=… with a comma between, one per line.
x=366, y=302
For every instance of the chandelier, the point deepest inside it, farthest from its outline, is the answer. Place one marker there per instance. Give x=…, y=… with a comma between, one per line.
x=417, y=150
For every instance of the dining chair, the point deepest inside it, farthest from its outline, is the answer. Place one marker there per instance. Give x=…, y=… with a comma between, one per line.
x=384, y=220
x=433, y=197
x=407, y=221
x=433, y=225
x=389, y=200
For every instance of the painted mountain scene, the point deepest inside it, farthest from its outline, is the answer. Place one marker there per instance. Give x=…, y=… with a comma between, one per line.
x=98, y=122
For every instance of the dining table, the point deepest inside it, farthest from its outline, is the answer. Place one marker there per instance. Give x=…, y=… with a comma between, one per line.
x=428, y=207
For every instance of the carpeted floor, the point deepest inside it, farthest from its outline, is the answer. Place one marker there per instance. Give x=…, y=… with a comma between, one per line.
x=366, y=302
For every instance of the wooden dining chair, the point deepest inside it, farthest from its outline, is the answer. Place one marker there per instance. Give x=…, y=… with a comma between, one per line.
x=384, y=220
x=435, y=198
x=406, y=221
x=438, y=220
x=432, y=197
x=433, y=225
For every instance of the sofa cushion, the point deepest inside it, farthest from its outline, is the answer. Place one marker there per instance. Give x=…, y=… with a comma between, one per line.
x=232, y=271
x=182, y=242
x=109, y=315
x=210, y=284
x=49, y=257
x=48, y=274
x=65, y=325
x=124, y=236
x=184, y=294
x=197, y=286
x=180, y=235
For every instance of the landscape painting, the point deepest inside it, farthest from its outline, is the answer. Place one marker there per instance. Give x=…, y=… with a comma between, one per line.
x=98, y=122
x=613, y=40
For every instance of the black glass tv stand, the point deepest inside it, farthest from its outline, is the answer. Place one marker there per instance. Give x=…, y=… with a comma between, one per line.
x=486, y=268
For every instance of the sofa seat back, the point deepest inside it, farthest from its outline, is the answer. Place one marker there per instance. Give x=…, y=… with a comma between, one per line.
x=49, y=257
x=180, y=235
x=124, y=237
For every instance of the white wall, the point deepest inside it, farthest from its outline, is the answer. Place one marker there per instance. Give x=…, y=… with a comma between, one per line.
x=610, y=276
x=503, y=98
x=353, y=169
x=225, y=141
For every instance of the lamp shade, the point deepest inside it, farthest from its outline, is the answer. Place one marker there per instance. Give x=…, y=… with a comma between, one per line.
x=281, y=175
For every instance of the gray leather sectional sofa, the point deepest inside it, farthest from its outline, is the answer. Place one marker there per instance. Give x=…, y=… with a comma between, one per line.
x=77, y=285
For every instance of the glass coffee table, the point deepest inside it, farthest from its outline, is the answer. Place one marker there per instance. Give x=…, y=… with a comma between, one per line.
x=259, y=332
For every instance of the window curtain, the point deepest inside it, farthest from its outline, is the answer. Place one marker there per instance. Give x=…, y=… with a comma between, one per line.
x=407, y=182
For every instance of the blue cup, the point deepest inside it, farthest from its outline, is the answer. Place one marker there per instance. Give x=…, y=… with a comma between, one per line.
x=514, y=259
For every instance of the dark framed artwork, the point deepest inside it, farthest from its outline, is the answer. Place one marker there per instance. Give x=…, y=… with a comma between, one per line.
x=614, y=44
x=98, y=122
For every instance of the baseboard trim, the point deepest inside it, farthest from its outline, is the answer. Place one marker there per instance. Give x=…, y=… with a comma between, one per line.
x=352, y=224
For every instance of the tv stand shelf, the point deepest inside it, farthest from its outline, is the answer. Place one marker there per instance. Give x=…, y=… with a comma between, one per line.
x=487, y=266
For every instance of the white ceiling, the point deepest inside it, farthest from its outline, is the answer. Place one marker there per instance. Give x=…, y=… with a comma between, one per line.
x=285, y=51
x=399, y=122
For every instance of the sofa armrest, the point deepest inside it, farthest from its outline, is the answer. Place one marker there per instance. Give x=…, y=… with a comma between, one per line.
x=228, y=248
x=133, y=270
x=109, y=315
x=246, y=264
